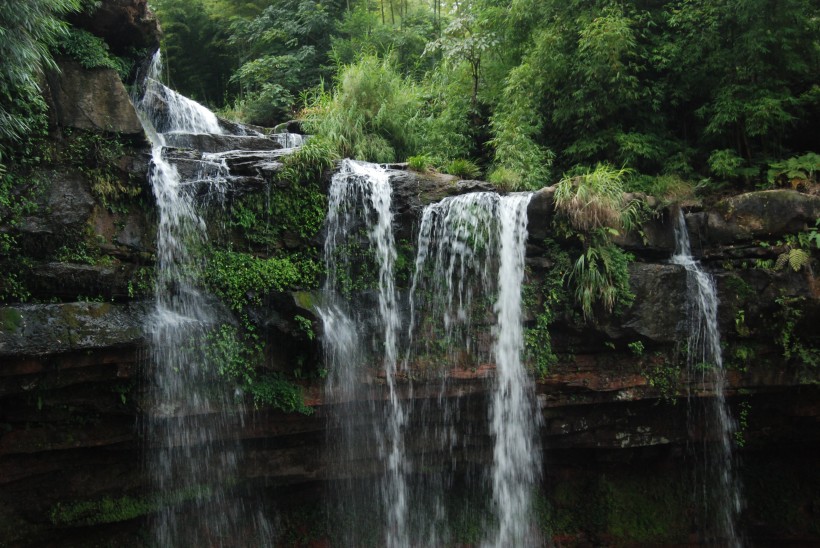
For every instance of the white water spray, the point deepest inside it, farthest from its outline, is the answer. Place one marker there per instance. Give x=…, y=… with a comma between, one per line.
x=513, y=415
x=469, y=248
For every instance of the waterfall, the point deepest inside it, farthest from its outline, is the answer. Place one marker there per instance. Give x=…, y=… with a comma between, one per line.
x=170, y=112
x=359, y=206
x=719, y=493
x=513, y=416
x=193, y=452
x=471, y=248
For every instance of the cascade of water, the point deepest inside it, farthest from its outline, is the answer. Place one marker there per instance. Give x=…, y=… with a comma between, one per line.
x=719, y=495
x=289, y=140
x=450, y=299
x=513, y=416
x=193, y=454
x=170, y=112
x=469, y=248
x=359, y=200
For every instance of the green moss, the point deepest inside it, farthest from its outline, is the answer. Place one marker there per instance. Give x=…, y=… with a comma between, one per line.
x=645, y=509
x=546, y=301
x=10, y=319
x=275, y=391
x=305, y=299
x=629, y=507
x=294, y=208
x=97, y=157
x=112, y=510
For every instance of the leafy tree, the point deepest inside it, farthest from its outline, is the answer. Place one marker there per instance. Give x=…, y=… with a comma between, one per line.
x=27, y=31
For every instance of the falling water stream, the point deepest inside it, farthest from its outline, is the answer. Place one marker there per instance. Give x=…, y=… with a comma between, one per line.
x=359, y=207
x=193, y=454
x=718, y=489
x=464, y=311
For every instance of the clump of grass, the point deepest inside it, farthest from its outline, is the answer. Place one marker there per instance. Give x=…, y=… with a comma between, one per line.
x=595, y=199
x=421, y=162
x=370, y=113
x=462, y=168
x=506, y=179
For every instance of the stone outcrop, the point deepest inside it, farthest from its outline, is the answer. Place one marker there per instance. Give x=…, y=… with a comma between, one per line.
x=123, y=24
x=92, y=99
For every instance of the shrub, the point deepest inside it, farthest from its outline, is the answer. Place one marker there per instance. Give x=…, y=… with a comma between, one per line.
x=601, y=275
x=370, y=114
x=505, y=179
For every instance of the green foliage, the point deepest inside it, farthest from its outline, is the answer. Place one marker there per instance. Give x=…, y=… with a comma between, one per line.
x=636, y=347
x=420, y=163
x=92, y=52
x=276, y=392
x=466, y=39
x=113, y=510
x=306, y=326
x=241, y=278
x=97, y=157
x=742, y=423
x=294, y=207
x=667, y=188
x=370, y=115
x=594, y=200
x=551, y=300
x=726, y=163
x=796, y=258
x=238, y=357
x=309, y=162
x=234, y=358
x=789, y=316
x=665, y=378
x=795, y=170
x=517, y=123
x=462, y=168
x=505, y=179
x=601, y=276
x=28, y=29
x=79, y=253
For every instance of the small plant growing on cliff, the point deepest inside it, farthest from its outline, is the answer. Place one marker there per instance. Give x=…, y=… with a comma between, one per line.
x=462, y=168
x=595, y=199
x=419, y=163
x=636, y=347
x=601, y=275
x=306, y=326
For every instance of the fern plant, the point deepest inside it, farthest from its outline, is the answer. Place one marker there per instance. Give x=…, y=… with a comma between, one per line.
x=795, y=171
x=601, y=275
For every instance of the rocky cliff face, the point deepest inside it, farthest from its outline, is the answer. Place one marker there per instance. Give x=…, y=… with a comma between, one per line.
x=613, y=398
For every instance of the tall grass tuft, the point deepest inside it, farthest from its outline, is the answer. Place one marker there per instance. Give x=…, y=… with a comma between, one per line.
x=595, y=199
